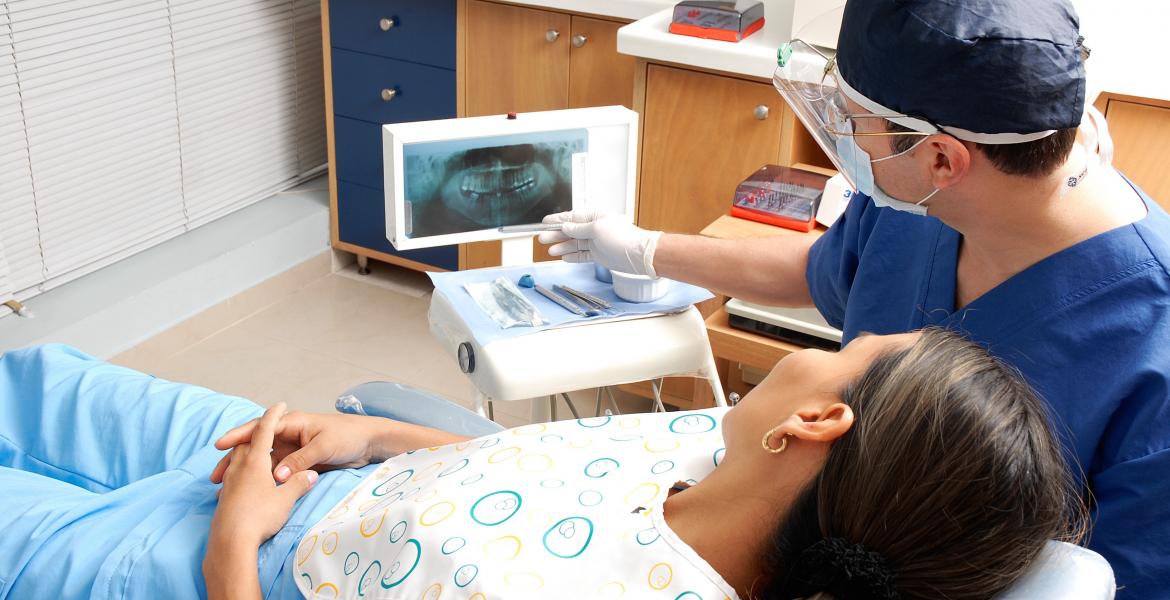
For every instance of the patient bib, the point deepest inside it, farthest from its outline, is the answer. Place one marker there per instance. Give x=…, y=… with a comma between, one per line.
x=571, y=509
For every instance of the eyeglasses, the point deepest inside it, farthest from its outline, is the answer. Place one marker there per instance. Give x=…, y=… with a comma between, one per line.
x=827, y=97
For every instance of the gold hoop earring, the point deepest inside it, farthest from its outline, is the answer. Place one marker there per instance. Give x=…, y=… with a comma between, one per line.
x=768, y=438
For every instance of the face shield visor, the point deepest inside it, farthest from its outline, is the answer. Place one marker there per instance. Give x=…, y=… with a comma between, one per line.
x=811, y=84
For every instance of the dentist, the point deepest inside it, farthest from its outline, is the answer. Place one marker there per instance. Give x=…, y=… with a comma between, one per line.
x=988, y=206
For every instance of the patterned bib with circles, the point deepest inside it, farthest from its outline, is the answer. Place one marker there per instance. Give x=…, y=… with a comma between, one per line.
x=570, y=509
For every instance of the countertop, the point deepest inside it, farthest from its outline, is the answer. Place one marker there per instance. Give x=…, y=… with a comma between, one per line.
x=755, y=56
x=622, y=9
x=1123, y=36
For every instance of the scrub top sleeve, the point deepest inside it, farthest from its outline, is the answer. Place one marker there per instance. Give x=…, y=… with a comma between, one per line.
x=833, y=259
x=1132, y=526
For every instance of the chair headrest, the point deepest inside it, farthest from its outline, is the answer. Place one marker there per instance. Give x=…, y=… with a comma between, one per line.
x=1066, y=572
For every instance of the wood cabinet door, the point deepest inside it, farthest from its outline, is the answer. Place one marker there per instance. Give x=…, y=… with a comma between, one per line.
x=1141, y=140
x=598, y=74
x=701, y=137
x=511, y=64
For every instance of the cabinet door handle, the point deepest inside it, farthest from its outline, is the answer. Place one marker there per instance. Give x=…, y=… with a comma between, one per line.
x=579, y=40
x=760, y=112
x=551, y=35
x=389, y=94
x=386, y=23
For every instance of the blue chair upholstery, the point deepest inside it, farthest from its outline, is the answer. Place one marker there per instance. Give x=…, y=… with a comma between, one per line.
x=412, y=405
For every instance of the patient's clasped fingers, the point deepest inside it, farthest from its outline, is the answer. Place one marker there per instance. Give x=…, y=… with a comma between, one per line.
x=236, y=435
x=265, y=431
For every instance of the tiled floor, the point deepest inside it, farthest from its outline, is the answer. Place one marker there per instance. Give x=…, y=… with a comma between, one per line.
x=311, y=343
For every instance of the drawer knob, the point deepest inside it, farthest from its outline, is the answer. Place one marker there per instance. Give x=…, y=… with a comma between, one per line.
x=551, y=35
x=579, y=40
x=388, y=94
x=760, y=112
x=387, y=22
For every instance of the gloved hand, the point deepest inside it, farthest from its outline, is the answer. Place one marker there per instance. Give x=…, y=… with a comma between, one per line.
x=607, y=239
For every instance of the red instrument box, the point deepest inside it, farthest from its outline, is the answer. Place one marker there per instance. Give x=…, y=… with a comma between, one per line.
x=725, y=20
x=780, y=196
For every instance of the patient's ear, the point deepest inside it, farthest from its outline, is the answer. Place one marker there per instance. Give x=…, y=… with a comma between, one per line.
x=825, y=424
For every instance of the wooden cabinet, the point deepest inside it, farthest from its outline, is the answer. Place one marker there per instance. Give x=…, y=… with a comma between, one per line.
x=702, y=135
x=598, y=75
x=525, y=59
x=1141, y=142
x=517, y=59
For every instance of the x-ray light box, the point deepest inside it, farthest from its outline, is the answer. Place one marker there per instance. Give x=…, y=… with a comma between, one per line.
x=455, y=181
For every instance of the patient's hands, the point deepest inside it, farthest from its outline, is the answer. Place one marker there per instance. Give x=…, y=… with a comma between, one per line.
x=304, y=440
x=252, y=508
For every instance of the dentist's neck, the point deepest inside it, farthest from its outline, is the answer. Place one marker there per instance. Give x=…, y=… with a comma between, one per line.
x=1010, y=222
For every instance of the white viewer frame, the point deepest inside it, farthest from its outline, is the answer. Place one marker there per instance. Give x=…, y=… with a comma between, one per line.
x=397, y=135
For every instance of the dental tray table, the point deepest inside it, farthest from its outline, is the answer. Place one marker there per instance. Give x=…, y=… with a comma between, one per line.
x=646, y=342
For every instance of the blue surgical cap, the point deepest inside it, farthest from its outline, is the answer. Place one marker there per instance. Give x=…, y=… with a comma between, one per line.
x=985, y=66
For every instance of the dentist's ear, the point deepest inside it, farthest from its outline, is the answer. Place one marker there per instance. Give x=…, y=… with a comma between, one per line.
x=822, y=425
x=951, y=160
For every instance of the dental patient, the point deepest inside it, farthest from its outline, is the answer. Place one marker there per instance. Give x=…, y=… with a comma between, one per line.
x=908, y=466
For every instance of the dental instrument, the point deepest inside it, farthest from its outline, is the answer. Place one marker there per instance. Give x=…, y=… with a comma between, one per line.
x=565, y=303
x=587, y=297
x=531, y=228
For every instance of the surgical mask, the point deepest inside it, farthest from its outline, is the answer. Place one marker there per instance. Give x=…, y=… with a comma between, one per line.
x=858, y=168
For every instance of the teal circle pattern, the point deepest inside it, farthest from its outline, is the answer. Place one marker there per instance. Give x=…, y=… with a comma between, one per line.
x=690, y=424
x=497, y=507
x=593, y=422
x=392, y=483
x=398, y=531
x=453, y=545
x=662, y=466
x=391, y=575
x=601, y=467
x=465, y=575
x=366, y=581
x=352, y=562
x=569, y=537
x=647, y=536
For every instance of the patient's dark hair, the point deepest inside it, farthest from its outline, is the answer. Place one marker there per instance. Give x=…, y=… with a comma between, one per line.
x=950, y=474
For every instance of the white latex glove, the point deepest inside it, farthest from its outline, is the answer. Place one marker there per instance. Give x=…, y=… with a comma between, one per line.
x=607, y=239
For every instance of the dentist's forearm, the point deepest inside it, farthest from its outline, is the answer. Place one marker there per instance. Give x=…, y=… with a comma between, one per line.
x=768, y=271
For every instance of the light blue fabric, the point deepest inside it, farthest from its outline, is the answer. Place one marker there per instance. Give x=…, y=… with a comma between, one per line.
x=104, y=489
x=1089, y=327
x=579, y=276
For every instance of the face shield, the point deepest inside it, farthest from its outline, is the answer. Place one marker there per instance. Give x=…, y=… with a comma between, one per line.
x=811, y=84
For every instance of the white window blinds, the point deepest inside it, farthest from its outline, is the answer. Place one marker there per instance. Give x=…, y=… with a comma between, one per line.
x=126, y=122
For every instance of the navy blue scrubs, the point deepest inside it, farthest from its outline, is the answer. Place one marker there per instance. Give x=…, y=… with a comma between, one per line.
x=1089, y=327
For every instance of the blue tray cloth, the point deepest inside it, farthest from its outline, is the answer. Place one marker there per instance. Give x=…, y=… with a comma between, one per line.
x=575, y=275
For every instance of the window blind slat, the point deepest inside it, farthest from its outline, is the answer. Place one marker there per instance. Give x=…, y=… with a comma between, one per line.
x=20, y=263
x=124, y=123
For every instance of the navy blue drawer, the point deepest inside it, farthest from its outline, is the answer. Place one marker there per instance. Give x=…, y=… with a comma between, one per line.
x=361, y=220
x=422, y=92
x=423, y=31
x=359, y=151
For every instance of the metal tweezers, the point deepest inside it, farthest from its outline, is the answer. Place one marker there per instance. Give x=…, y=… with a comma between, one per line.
x=584, y=296
x=566, y=303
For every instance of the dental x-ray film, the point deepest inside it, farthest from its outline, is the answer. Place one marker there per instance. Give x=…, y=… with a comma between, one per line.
x=458, y=186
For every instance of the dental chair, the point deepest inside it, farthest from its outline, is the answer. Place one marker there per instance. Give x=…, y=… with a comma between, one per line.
x=1062, y=572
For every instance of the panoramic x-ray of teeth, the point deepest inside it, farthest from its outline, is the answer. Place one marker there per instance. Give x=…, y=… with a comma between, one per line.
x=454, y=190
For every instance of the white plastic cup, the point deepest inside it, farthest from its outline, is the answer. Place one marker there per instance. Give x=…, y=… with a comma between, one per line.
x=639, y=288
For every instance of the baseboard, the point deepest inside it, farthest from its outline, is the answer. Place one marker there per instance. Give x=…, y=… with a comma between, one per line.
x=222, y=268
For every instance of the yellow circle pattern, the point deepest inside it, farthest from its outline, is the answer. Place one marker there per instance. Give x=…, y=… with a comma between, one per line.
x=660, y=576
x=436, y=513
